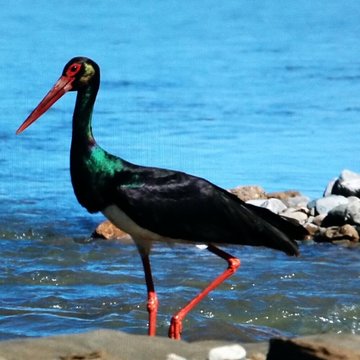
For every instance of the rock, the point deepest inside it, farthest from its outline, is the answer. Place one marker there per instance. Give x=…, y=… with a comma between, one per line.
x=255, y=356
x=329, y=187
x=229, y=352
x=349, y=232
x=318, y=219
x=174, y=357
x=332, y=233
x=346, y=243
x=353, y=212
x=353, y=199
x=257, y=202
x=297, y=202
x=283, y=195
x=275, y=205
x=298, y=215
x=344, y=214
x=325, y=204
x=310, y=218
x=312, y=229
x=251, y=192
x=317, y=347
x=311, y=207
x=335, y=217
x=106, y=230
x=348, y=184
x=336, y=233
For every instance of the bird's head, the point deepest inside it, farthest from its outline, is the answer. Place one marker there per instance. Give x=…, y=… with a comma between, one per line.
x=78, y=73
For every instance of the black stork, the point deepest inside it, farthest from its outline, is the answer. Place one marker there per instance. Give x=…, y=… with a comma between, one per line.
x=153, y=204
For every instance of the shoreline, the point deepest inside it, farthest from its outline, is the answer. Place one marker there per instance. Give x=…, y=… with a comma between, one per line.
x=117, y=345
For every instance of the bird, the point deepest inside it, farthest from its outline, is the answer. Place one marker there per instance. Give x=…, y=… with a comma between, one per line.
x=158, y=205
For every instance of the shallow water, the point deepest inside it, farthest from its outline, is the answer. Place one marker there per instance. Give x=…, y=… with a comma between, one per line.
x=57, y=285
x=239, y=93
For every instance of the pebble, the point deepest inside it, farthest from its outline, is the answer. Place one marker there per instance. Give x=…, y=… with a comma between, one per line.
x=230, y=352
x=298, y=215
x=275, y=205
x=174, y=357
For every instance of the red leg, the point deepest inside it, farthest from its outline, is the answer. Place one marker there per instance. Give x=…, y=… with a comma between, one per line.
x=176, y=321
x=152, y=302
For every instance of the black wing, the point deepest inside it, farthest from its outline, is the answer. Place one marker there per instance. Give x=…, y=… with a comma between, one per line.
x=181, y=206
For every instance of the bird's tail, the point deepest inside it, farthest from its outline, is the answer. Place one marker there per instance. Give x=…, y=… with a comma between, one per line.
x=285, y=231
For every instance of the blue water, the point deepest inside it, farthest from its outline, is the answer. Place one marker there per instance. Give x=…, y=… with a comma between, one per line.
x=242, y=92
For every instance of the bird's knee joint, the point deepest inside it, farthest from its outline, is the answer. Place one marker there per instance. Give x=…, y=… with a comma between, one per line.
x=153, y=303
x=234, y=263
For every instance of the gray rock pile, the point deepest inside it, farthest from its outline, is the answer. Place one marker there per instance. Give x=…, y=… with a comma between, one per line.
x=335, y=217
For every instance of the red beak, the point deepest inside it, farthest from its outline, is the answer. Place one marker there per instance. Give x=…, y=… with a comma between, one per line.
x=63, y=85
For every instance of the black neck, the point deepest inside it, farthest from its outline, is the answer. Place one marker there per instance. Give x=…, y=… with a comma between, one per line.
x=82, y=129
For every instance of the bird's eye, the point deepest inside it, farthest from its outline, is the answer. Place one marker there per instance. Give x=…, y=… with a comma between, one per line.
x=73, y=69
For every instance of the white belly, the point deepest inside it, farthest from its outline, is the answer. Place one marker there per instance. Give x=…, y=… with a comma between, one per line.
x=141, y=236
